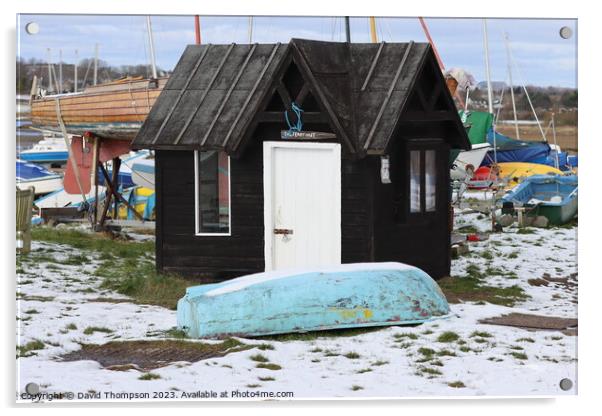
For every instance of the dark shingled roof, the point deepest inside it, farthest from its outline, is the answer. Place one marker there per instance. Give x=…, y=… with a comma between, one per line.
x=215, y=91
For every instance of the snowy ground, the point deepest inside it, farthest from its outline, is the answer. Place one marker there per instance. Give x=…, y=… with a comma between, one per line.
x=55, y=308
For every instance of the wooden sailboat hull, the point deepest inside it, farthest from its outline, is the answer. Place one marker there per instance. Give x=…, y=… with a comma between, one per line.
x=345, y=296
x=112, y=111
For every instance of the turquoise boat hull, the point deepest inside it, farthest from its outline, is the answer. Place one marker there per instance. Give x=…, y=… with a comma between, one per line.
x=347, y=296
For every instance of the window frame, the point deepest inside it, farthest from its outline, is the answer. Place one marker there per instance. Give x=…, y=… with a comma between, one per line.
x=423, y=145
x=197, y=214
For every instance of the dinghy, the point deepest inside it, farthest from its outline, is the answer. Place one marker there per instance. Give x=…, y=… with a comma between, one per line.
x=343, y=296
x=554, y=197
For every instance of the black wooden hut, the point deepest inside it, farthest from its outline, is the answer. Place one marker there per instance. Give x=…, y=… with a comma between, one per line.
x=243, y=186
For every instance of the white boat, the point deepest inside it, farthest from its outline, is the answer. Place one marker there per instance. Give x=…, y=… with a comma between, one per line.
x=38, y=177
x=470, y=159
x=143, y=172
x=61, y=199
x=48, y=150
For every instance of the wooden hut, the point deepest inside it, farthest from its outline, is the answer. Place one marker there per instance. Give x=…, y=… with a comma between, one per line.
x=244, y=186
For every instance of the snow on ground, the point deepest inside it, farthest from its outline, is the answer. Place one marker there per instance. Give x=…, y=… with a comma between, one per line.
x=58, y=303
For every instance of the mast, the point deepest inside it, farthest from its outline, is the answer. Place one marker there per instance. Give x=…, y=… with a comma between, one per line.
x=347, y=30
x=250, y=29
x=197, y=30
x=75, y=72
x=506, y=40
x=487, y=70
x=60, y=71
x=50, y=87
x=489, y=92
x=151, y=47
x=95, y=63
x=373, y=37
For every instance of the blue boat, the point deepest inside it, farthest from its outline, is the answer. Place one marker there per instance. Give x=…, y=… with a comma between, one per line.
x=344, y=296
x=38, y=177
x=552, y=196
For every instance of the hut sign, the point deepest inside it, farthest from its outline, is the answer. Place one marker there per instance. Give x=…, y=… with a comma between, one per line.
x=306, y=135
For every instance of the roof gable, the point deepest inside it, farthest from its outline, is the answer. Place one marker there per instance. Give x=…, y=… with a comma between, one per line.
x=363, y=92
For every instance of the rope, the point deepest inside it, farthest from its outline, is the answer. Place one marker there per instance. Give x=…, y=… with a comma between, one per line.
x=70, y=151
x=299, y=124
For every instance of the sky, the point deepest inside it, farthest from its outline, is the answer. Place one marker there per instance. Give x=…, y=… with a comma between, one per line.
x=542, y=57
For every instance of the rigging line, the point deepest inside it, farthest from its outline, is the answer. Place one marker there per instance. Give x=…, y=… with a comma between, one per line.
x=522, y=79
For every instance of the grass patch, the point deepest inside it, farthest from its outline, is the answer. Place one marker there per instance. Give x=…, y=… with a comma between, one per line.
x=266, y=378
x=448, y=336
x=481, y=334
x=137, y=278
x=433, y=372
x=253, y=386
x=472, y=288
x=28, y=349
x=92, y=329
x=71, y=327
x=269, y=366
x=31, y=311
x=149, y=376
x=446, y=353
x=531, y=340
x=355, y=387
x=260, y=358
x=364, y=370
x=317, y=349
x=456, y=384
x=405, y=335
x=468, y=229
x=519, y=355
x=487, y=255
x=379, y=363
x=426, y=352
x=93, y=242
x=264, y=347
x=352, y=355
x=125, y=266
x=525, y=230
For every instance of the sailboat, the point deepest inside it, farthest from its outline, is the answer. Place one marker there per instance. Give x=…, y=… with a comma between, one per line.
x=113, y=110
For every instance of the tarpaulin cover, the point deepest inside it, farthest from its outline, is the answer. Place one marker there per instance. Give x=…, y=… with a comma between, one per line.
x=478, y=124
x=511, y=150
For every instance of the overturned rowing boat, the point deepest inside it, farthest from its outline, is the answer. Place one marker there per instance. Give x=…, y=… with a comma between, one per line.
x=345, y=296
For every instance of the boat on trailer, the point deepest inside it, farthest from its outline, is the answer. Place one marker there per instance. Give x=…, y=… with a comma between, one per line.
x=322, y=298
x=552, y=196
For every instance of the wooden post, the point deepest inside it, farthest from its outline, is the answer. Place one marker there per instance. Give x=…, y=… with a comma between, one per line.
x=94, y=179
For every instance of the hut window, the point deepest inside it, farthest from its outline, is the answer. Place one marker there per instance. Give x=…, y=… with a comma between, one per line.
x=423, y=180
x=415, y=181
x=429, y=179
x=212, y=184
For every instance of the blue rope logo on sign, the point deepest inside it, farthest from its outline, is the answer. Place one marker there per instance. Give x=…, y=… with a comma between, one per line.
x=299, y=124
x=295, y=131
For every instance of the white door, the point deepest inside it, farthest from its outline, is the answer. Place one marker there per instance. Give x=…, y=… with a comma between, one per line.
x=302, y=204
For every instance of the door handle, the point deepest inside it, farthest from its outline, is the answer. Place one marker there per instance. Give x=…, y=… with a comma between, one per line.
x=283, y=231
